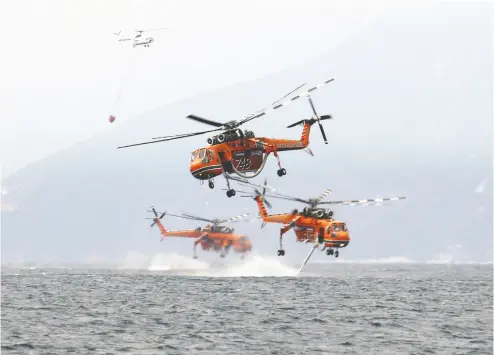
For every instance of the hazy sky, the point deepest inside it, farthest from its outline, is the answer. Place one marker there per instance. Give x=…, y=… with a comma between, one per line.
x=412, y=102
x=63, y=67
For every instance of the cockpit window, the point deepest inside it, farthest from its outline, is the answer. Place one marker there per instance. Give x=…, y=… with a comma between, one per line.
x=193, y=156
x=336, y=227
x=343, y=226
x=202, y=152
x=208, y=156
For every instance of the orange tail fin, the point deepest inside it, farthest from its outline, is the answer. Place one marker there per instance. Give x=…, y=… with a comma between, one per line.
x=307, y=126
x=157, y=221
x=262, y=208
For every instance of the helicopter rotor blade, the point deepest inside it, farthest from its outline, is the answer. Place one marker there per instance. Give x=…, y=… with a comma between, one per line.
x=291, y=92
x=318, y=120
x=289, y=198
x=364, y=202
x=197, y=218
x=325, y=194
x=268, y=204
x=170, y=138
x=179, y=216
x=205, y=121
x=287, y=102
x=235, y=218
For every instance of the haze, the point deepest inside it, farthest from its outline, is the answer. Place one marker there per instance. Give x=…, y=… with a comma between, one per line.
x=412, y=106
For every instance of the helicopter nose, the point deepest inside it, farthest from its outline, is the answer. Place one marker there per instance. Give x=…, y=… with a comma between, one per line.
x=204, y=171
x=343, y=235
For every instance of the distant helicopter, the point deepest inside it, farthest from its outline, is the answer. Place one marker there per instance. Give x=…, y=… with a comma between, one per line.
x=138, y=40
x=213, y=236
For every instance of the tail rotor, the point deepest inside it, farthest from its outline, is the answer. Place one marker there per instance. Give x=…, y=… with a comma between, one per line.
x=258, y=193
x=156, y=218
x=324, y=117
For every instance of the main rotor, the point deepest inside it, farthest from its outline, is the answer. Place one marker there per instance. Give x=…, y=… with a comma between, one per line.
x=213, y=221
x=232, y=125
x=313, y=202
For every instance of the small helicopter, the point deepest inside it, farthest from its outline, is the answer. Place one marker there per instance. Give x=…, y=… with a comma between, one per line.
x=213, y=236
x=234, y=151
x=313, y=224
x=138, y=40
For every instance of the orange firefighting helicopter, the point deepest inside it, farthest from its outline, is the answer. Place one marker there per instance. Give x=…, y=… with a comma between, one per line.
x=312, y=224
x=213, y=236
x=235, y=152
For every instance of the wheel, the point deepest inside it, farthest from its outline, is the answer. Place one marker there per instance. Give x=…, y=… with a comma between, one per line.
x=329, y=252
x=211, y=185
x=233, y=192
x=283, y=171
x=195, y=257
x=281, y=252
x=280, y=173
x=229, y=193
x=336, y=253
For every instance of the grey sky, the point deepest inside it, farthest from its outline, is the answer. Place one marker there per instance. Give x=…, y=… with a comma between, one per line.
x=63, y=67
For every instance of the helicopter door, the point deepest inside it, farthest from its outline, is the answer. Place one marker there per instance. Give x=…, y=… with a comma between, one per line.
x=320, y=236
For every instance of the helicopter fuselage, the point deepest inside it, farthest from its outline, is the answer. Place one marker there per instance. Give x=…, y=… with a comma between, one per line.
x=237, y=152
x=143, y=42
x=216, y=240
x=311, y=225
x=328, y=231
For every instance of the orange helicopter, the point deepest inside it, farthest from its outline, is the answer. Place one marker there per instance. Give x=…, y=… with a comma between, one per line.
x=234, y=151
x=313, y=224
x=214, y=236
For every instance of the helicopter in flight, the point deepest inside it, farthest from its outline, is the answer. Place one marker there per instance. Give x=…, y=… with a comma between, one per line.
x=313, y=224
x=233, y=151
x=138, y=39
x=213, y=237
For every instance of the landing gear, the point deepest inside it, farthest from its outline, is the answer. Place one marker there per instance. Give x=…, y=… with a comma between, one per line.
x=230, y=192
x=331, y=252
x=225, y=251
x=281, y=171
x=281, y=252
x=211, y=184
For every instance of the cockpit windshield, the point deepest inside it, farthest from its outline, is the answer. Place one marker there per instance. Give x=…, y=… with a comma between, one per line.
x=198, y=154
x=194, y=156
x=339, y=227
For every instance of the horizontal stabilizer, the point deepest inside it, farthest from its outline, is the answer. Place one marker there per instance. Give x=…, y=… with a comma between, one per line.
x=311, y=121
